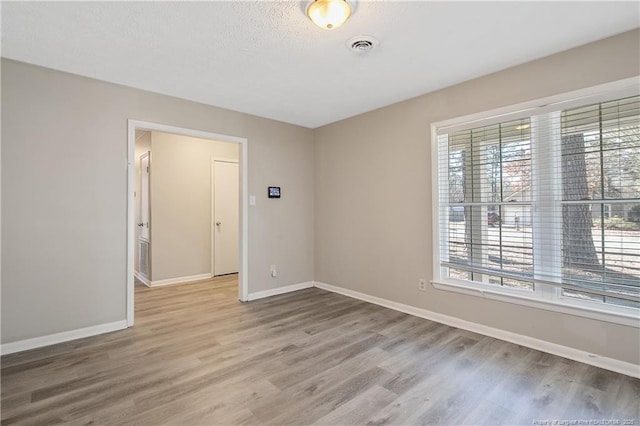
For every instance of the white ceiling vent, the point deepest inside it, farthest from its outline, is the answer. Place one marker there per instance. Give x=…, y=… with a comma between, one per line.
x=362, y=44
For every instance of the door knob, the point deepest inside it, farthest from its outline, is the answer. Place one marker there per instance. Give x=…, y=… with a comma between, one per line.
x=218, y=223
x=141, y=224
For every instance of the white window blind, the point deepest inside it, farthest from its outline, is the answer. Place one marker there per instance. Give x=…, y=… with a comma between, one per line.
x=548, y=200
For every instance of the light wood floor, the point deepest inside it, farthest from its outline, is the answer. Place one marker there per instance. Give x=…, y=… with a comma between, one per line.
x=198, y=356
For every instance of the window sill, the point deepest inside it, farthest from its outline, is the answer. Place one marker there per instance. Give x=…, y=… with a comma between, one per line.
x=592, y=312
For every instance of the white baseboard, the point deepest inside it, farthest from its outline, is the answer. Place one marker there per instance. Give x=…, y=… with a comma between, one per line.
x=142, y=278
x=179, y=280
x=280, y=290
x=65, y=336
x=618, y=366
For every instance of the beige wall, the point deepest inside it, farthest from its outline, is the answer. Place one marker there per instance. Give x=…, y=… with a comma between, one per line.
x=64, y=196
x=181, y=203
x=142, y=145
x=373, y=196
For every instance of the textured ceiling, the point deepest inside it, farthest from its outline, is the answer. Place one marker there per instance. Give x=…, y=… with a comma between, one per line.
x=266, y=58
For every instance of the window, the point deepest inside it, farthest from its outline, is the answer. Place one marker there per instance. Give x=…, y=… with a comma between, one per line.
x=489, y=193
x=544, y=205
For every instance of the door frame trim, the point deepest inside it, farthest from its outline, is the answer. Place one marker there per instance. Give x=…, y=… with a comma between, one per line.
x=213, y=162
x=132, y=126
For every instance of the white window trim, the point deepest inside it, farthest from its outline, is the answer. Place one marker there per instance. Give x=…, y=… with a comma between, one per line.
x=550, y=298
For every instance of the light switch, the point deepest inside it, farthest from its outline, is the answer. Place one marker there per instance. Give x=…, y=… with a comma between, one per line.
x=252, y=200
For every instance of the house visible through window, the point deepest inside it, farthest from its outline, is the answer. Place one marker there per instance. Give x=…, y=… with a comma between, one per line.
x=546, y=204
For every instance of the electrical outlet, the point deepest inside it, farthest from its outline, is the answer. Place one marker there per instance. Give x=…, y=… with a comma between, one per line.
x=274, y=271
x=422, y=284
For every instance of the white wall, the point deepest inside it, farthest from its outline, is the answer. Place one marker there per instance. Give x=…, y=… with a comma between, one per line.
x=181, y=203
x=373, y=196
x=64, y=196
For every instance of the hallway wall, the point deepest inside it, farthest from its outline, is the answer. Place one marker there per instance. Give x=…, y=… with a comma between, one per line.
x=181, y=203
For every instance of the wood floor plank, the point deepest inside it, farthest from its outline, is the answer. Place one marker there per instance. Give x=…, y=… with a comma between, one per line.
x=358, y=410
x=198, y=356
x=548, y=372
x=305, y=392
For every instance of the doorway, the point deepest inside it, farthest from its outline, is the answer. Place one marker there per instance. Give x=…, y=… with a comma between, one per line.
x=143, y=240
x=241, y=213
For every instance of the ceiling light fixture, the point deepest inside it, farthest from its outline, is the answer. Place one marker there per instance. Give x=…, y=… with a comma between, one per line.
x=329, y=14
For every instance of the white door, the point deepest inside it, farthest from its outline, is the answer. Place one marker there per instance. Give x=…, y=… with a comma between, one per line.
x=225, y=217
x=144, y=222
